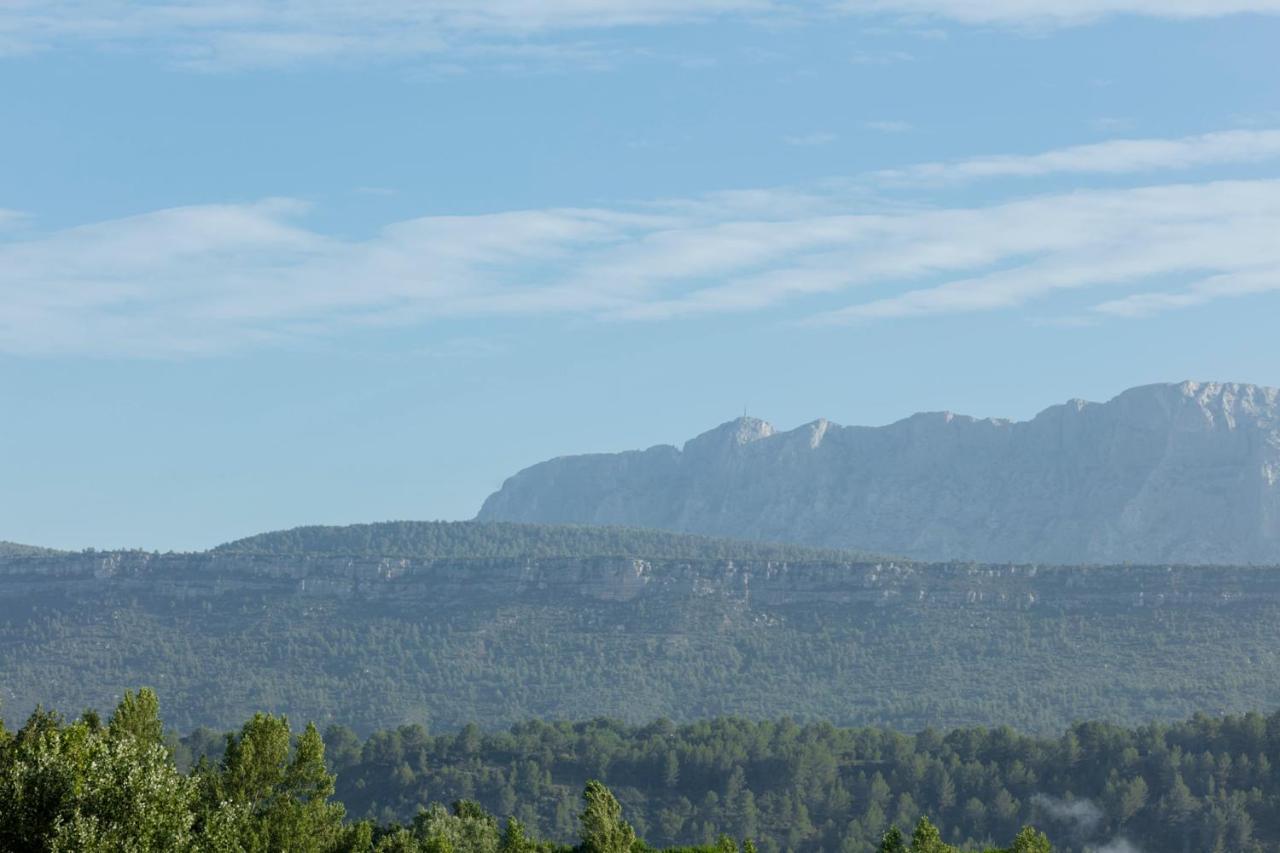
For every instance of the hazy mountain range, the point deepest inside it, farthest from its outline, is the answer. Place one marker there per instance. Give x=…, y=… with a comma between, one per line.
x=1186, y=473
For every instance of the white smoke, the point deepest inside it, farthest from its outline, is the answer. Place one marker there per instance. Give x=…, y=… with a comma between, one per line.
x=1083, y=815
x=1117, y=845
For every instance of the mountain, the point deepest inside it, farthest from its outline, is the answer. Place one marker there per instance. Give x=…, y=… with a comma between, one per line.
x=379, y=625
x=1186, y=473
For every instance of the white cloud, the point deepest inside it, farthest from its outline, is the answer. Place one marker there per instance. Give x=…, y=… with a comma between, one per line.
x=887, y=126
x=206, y=34
x=1119, y=156
x=10, y=217
x=1225, y=286
x=1059, y=12
x=880, y=57
x=254, y=33
x=809, y=140
x=209, y=278
x=1010, y=254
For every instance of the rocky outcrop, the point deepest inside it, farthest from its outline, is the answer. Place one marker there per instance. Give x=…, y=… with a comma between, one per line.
x=585, y=581
x=1186, y=473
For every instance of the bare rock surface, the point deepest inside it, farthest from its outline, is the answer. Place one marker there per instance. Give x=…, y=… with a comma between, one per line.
x=1171, y=473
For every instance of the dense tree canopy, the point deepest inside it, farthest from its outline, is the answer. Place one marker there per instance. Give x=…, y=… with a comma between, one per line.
x=1208, y=784
x=498, y=642
x=83, y=786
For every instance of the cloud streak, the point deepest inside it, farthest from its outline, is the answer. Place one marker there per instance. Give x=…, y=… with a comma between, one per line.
x=255, y=33
x=1032, y=249
x=1060, y=12
x=1115, y=157
x=206, y=279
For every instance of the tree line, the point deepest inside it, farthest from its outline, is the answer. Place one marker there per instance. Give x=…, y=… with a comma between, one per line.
x=115, y=786
x=1204, y=785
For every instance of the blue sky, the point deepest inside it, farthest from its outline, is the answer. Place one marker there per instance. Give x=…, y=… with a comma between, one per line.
x=266, y=264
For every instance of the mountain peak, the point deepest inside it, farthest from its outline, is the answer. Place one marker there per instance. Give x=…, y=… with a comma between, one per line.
x=730, y=434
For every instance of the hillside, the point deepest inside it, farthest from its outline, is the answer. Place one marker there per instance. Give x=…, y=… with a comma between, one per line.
x=16, y=549
x=1185, y=473
x=376, y=640
x=430, y=540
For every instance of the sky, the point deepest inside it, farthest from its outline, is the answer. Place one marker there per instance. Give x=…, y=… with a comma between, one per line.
x=265, y=264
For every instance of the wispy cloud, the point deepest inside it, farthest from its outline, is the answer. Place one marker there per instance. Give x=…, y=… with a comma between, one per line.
x=210, y=278
x=1265, y=279
x=1121, y=156
x=1010, y=254
x=808, y=140
x=880, y=57
x=1059, y=12
x=255, y=33
x=9, y=218
x=887, y=126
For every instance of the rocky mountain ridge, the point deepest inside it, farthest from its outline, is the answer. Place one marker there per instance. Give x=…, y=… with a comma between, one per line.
x=1185, y=473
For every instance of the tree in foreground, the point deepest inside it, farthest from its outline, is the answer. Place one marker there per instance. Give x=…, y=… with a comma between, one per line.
x=603, y=829
x=115, y=788
x=927, y=839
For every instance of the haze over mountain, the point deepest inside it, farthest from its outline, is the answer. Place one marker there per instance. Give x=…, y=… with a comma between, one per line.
x=1183, y=473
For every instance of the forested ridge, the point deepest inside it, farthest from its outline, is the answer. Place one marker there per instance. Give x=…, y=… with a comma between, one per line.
x=87, y=786
x=497, y=539
x=312, y=623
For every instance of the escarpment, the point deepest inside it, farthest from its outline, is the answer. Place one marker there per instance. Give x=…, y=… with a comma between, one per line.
x=1186, y=473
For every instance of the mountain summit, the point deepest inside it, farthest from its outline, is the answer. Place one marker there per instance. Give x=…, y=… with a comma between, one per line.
x=1185, y=473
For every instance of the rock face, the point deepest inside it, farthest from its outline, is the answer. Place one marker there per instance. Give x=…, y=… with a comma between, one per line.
x=1186, y=473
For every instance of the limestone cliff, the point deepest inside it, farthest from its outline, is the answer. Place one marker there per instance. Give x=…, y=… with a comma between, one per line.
x=1186, y=473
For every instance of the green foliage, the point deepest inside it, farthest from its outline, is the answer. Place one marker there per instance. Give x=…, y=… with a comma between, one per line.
x=116, y=789
x=893, y=842
x=269, y=795
x=16, y=549
x=138, y=716
x=927, y=839
x=73, y=787
x=500, y=539
x=435, y=649
x=820, y=787
x=603, y=829
x=83, y=787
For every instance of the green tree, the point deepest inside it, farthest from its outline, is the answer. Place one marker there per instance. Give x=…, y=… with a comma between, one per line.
x=77, y=787
x=603, y=829
x=138, y=715
x=927, y=839
x=513, y=838
x=1030, y=840
x=267, y=800
x=893, y=842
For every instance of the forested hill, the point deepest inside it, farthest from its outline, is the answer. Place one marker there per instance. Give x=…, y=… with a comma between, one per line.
x=342, y=626
x=15, y=549
x=486, y=540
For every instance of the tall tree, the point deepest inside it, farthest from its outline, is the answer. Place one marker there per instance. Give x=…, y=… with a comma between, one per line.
x=603, y=829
